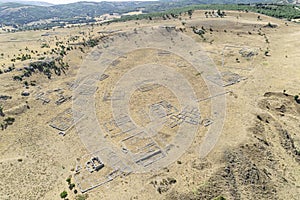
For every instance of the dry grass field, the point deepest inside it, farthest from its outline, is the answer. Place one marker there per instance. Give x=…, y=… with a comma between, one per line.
x=257, y=155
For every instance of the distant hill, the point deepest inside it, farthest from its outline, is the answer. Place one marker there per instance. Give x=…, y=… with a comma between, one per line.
x=18, y=14
x=34, y=3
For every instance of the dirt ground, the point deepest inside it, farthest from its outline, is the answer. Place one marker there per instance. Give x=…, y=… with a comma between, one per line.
x=257, y=155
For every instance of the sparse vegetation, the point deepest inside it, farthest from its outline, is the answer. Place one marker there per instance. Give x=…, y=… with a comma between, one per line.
x=47, y=67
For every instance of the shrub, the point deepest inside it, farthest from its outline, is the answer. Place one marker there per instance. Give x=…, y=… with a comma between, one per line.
x=68, y=180
x=45, y=45
x=297, y=99
x=17, y=78
x=1, y=111
x=63, y=195
x=9, y=120
x=71, y=186
x=267, y=53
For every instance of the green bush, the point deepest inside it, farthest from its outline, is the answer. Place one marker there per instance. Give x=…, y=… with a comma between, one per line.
x=71, y=186
x=63, y=195
x=68, y=180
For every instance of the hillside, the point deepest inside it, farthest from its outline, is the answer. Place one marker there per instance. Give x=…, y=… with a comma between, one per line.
x=200, y=106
